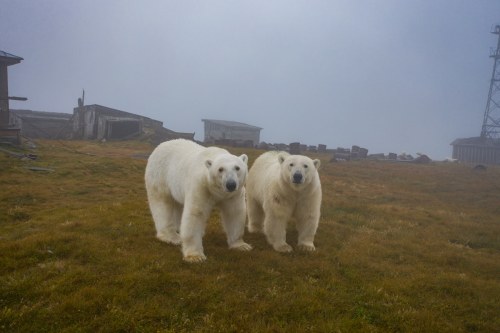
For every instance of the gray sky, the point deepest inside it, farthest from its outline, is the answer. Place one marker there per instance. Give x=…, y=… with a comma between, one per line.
x=388, y=75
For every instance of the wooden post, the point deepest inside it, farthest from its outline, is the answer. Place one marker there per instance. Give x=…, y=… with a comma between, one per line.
x=4, y=96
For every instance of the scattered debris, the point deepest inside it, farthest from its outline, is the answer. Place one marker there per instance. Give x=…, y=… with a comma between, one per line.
x=422, y=159
x=295, y=148
x=19, y=155
x=356, y=153
x=346, y=154
x=480, y=167
x=141, y=156
x=40, y=169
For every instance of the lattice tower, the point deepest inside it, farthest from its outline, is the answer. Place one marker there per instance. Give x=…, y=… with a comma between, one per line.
x=491, y=121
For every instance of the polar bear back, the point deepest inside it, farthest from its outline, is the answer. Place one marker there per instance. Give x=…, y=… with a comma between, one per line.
x=263, y=173
x=175, y=166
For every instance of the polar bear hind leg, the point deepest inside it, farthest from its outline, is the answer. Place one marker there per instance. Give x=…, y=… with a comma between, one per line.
x=255, y=216
x=167, y=217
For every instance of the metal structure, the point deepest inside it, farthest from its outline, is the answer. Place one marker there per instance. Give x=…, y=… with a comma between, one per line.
x=486, y=147
x=491, y=121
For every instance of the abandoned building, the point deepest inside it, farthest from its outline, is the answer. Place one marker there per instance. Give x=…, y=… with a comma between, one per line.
x=477, y=150
x=100, y=122
x=42, y=124
x=231, y=133
x=92, y=122
x=8, y=131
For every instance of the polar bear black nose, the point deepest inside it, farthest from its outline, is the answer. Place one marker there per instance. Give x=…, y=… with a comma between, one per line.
x=231, y=185
x=297, y=178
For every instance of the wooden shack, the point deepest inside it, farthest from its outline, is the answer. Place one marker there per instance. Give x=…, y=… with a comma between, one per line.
x=42, y=124
x=8, y=131
x=231, y=132
x=104, y=123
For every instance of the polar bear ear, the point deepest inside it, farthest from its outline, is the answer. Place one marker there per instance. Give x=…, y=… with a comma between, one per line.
x=244, y=158
x=208, y=163
x=317, y=163
x=281, y=158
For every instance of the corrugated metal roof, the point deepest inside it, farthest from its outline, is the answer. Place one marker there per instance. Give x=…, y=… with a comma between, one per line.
x=229, y=123
x=476, y=141
x=10, y=59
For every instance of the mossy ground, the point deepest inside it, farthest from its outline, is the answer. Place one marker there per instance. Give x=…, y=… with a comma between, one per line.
x=401, y=248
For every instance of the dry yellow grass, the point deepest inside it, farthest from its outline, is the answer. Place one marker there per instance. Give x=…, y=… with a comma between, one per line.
x=401, y=248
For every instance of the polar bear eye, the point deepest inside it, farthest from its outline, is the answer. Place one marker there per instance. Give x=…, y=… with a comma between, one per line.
x=291, y=164
x=306, y=166
x=221, y=169
x=237, y=168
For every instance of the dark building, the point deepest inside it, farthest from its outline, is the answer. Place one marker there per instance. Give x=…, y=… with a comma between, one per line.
x=42, y=124
x=100, y=122
x=7, y=130
x=92, y=122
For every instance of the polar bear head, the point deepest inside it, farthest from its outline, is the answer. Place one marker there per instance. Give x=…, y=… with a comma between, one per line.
x=227, y=173
x=298, y=170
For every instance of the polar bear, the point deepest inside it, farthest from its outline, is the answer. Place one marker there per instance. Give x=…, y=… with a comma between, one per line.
x=282, y=187
x=184, y=182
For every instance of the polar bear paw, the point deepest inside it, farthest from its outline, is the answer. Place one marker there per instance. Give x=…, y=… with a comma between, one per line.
x=195, y=258
x=171, y=239
x=240, y=246
x=306, y=247
x=284, y=248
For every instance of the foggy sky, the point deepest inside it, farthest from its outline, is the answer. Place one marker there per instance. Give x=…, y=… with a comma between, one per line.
x=389, y=75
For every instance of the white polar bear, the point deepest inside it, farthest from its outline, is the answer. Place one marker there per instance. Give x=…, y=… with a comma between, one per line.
x=282, y=187
x=184, y=181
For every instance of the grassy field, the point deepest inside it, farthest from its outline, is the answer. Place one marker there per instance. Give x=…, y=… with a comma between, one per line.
x=401, y=248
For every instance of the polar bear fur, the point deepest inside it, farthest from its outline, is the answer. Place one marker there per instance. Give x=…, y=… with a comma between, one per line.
x=282, y=187
x=184, y=182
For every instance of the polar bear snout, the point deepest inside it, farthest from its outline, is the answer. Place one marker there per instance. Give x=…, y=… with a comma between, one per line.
x=297, y=178
x=231, y=185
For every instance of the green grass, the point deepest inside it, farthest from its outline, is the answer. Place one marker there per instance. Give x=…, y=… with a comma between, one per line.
x=401, y=248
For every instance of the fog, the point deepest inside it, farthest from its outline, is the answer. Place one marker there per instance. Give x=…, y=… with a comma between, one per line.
x=392, y=76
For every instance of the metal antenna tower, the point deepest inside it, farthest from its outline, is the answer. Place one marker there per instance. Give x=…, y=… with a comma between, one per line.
x=491, y=121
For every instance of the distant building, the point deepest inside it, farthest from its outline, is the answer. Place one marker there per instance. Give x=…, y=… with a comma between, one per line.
x=92, y=122
x=100, y=122
x=477, y=150
x=231, y=133
x=42, y=124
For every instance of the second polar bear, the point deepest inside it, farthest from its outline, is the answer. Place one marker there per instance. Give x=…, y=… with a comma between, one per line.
x=281, y=187
x=184, y=181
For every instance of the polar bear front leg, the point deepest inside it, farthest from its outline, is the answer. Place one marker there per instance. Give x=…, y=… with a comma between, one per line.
x=193, y=223
x=307, y=224
x=275, y=222
x=233, y=216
